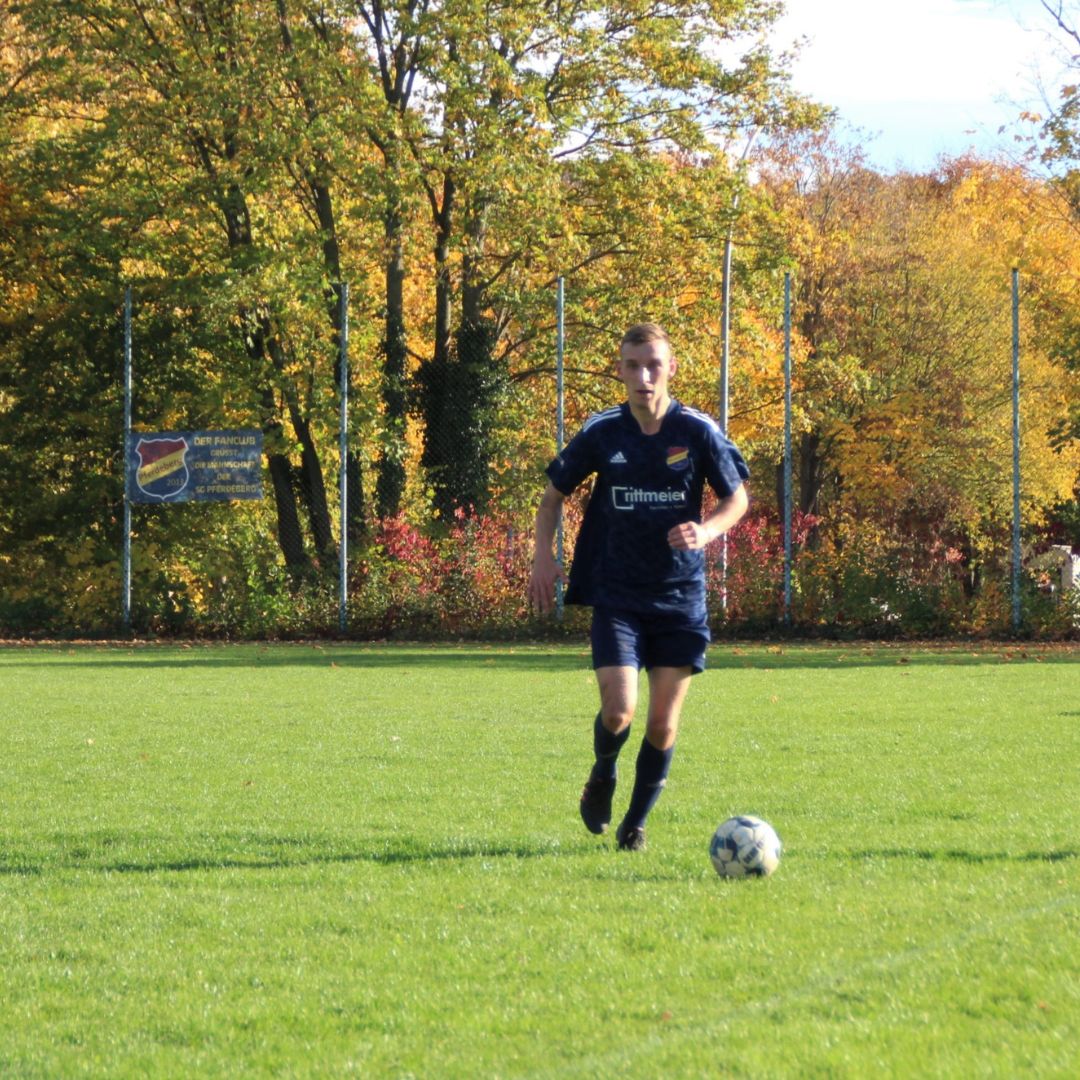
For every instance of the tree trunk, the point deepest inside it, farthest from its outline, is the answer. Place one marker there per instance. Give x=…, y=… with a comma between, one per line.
x=290, y=536
x=390, y=482
x=440, y=402
x=257, y=337
x=319, y=183
x=811, y=475
x=313, y=485
x=479, y=381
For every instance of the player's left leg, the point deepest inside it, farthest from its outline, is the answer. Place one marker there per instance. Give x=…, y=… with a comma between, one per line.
x=667, y=691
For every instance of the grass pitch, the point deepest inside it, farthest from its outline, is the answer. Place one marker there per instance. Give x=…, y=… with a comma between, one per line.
x=343, y=860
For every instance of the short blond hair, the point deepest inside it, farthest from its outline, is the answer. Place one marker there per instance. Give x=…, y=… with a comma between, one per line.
x=641, y=333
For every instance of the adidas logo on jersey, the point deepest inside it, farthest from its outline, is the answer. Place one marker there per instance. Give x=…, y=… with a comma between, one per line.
x=618, y=458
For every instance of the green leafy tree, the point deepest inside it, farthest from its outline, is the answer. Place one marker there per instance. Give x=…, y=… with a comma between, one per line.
x=209, y=138
x=528, y=111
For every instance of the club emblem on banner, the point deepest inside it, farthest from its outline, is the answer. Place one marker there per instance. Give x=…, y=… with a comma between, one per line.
x=162, y=472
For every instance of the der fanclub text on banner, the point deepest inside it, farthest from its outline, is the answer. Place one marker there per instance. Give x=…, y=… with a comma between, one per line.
x=194, y=466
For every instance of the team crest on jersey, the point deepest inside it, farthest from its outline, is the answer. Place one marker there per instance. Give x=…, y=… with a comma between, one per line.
x=678, y=457
x=162, y=472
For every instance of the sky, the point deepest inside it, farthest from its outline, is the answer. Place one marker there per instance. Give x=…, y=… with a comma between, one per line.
x=923, y=77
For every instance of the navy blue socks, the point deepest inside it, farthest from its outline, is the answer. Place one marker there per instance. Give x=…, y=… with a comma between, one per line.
x=606, y=747
x=652, y=771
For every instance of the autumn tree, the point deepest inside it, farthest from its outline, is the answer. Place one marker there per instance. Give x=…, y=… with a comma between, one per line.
x=903, y=303
x=1058, y=149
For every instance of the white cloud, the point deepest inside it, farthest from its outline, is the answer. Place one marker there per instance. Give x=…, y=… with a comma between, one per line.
x=925, y=73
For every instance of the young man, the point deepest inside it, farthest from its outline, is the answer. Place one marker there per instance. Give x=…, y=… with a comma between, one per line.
x=639, y=563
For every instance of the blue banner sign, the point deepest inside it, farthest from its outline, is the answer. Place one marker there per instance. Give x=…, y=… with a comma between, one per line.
x=194, y=466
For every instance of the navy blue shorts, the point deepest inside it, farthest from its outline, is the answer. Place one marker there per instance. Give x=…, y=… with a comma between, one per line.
x=646, y=640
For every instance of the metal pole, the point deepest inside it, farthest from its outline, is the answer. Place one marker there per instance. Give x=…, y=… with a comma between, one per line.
x=343, y=454
x=725, y=313
x=559, y=428
x=725, y=330
x=1016, y=448
x=787, y=448
x=725, y=350
x=126, y=557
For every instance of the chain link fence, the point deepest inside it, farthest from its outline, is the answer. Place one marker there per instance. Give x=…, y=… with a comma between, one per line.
x=426, y=477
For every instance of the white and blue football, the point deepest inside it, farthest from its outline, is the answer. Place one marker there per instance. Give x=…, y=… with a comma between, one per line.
x=745, y=846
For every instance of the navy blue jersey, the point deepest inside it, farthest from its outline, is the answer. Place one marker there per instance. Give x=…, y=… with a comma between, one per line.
x=645, y=485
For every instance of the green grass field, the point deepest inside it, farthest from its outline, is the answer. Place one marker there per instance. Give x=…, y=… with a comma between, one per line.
x=309, y=861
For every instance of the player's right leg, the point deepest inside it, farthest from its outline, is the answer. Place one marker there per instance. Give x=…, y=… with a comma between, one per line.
x=611, y=728
x=618, y=687
x=615, y=660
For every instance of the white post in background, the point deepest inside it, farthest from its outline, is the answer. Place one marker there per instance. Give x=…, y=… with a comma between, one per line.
x=560, y=433
x=725, y=333
x=725, y=349
x=787, y=449
x=126, y=557
x=343, y=453
x=1016, y=612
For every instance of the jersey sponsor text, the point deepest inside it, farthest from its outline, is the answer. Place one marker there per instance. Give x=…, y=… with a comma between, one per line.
x=629, y=498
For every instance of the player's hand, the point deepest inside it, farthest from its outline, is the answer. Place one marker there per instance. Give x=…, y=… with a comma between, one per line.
x=689, y=536
x=545, y=572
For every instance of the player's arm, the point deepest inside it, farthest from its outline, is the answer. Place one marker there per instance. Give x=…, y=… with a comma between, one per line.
x=545, y=570
x=693, y=535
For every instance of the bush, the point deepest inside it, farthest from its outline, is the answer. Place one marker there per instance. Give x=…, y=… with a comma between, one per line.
x=469, y=578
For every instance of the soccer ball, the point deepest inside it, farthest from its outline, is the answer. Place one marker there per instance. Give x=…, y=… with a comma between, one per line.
x=745, y=846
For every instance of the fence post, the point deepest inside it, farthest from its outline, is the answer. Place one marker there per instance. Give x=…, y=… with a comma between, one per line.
x=1016, y=554
x=560, y=396
x=343, y=453
x=126, y=557
x=725, y=346
x=787, y=449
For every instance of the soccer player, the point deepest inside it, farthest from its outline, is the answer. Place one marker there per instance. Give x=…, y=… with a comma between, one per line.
x=639, y=563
